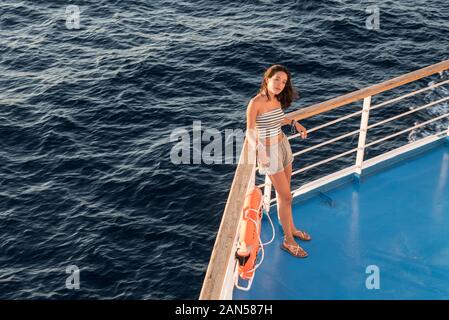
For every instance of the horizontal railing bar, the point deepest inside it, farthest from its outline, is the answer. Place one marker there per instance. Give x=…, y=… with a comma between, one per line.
x=314, y=184
x=322, y=144
x=318, y=163
x=407, y=112
x=326, y=142
x=327, y=124
x=408, y=95
x=406, y=130
x=324, y=161
x=441, y=132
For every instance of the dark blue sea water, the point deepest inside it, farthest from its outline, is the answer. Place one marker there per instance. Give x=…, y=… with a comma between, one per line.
x=86, y=116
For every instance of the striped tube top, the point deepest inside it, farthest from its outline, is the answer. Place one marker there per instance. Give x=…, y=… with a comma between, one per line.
x=268, y=124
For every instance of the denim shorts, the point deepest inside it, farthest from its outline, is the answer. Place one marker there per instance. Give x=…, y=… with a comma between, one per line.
x=279, y=154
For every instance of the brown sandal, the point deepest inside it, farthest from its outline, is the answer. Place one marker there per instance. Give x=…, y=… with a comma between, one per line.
x=302, y=235
x=294, y=250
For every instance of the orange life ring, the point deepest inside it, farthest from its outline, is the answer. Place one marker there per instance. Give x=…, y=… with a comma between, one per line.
x=249, y=239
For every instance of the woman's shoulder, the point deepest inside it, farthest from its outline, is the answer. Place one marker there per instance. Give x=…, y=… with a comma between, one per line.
x=255, y=104
x=258, y=100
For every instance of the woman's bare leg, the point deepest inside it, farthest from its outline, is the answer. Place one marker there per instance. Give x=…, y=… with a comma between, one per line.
x=284, y=197
x=295, y=231
x=288, y=174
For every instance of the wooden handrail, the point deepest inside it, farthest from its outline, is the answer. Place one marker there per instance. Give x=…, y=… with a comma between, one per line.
x=366, y=92
x=224, y=241
x=216, y=270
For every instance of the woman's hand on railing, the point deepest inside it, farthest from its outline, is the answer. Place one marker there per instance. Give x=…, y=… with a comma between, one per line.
x=301, y=130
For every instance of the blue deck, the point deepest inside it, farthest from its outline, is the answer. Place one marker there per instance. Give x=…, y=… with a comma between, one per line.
x=396, y=219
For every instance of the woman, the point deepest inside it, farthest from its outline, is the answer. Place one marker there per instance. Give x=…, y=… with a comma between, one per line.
x=265, y=116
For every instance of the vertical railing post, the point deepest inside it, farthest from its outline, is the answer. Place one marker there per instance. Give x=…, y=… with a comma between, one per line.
x=267, y=194
x=362, y=136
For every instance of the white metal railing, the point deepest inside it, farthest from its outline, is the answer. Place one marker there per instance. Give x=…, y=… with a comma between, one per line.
x=430, y=87
x=362, y=131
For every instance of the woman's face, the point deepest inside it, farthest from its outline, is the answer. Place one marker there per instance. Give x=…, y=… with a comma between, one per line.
x=277, y=82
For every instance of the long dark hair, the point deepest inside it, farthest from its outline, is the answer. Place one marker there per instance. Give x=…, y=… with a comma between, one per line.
x=287, y=95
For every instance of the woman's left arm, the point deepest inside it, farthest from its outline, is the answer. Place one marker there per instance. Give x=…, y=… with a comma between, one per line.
x=286, y=121
x=298, y=126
